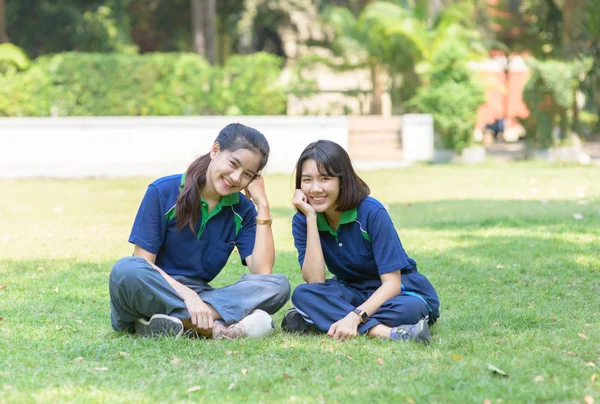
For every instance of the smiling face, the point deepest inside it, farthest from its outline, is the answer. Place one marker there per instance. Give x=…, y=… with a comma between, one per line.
x=322, y=190
x=230, y=171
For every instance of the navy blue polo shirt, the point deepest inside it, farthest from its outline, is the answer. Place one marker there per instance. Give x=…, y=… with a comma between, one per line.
x=232, y=223
x=365, y=245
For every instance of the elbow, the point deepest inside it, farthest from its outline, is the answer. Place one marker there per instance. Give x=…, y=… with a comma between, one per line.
x=313, y=279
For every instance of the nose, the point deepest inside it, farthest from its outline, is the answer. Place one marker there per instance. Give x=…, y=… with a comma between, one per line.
x=315, y=187
x=236, y=175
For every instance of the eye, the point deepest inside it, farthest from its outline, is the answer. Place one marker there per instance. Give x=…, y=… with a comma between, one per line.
x=232, y=163
x=248, y=175
x=325, y=178
x=306, y=180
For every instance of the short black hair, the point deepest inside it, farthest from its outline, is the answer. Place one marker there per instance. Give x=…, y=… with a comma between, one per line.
x=332, y=160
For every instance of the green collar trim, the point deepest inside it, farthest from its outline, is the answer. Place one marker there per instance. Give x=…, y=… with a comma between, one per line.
x=348, y=216
x=228, y=200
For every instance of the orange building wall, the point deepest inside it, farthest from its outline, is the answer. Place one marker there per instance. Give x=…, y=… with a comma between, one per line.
x=501, y=96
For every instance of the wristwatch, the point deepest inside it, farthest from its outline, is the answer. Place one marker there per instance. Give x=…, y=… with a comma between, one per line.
x=362, y=315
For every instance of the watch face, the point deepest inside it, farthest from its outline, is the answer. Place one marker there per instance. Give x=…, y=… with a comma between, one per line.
x=363, y=316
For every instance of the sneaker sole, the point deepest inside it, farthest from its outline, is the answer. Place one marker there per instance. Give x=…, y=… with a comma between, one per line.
x=159, y=325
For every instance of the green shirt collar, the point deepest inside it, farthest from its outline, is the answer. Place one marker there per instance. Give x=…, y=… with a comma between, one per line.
x=227, y=200
x=348, y=216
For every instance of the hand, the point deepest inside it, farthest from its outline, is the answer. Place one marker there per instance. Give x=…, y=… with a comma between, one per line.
x=200, y=314
x=256, y=191
x=346, y=328
x=300, y=202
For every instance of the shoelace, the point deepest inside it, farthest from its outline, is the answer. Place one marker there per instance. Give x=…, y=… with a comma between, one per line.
x=233, y=331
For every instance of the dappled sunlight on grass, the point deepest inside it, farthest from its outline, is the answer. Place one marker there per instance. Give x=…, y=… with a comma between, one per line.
x=516, y=271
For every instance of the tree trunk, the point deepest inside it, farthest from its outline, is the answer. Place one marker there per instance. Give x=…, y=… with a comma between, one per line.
x=3, y=32
x=571, y=37
x=203, y=27
x=377, y=91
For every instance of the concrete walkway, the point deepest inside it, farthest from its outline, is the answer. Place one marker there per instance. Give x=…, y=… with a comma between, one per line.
x=504, y=151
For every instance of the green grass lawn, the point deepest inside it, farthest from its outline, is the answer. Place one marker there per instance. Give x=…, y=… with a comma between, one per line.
x=513, y=251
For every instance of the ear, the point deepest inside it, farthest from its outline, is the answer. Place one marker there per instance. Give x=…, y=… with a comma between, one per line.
x=214, y=150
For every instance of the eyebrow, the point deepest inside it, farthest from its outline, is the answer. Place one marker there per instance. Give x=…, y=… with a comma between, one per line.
x=239, y=163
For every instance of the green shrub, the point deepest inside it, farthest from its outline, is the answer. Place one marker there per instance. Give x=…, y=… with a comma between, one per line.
x=88, y=84
x=452, y=97
x=549, y=94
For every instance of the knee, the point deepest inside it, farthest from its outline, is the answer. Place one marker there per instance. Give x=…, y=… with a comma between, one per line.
x=282, y=288
x=125, y=271
x=303, y=292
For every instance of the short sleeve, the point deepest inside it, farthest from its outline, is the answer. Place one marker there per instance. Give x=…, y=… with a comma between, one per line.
x=299, y=234
x=150, y=225
x=247, y=235
x=387, y=249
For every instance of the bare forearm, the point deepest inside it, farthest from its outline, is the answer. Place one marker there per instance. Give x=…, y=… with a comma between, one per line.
x=388, y=289
x=263, y=254
x=313, y=268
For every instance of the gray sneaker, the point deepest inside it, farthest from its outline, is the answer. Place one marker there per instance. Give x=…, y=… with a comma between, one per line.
x=413, y=332
x=159, y=325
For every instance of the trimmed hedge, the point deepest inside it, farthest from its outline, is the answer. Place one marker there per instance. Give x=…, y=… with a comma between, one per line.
x=89, y=84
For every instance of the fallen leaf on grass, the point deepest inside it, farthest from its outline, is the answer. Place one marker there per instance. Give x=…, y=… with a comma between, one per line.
x=175, y=360
x=338, y=378
x=410, y=400
x=538, y=379
x=1, y=319
x=571, y=353
x=78, y=359
x=593, y=378
x=590, y=364
x=3, y=286
x=121, y=354
x=286, y=376
x=193, y=388
x=588, y=400
x=495, y=324
x=496, y=370
x=456, y=357
x=102, y=369
x=577, y=216
x=499, y=266
x=228, y=352
x=244, y=371
x=582, y=335
x=380, y=361
x=348, y=356
x=56, y=289
x=41, y=269
x=59, y=327
x=232, y=385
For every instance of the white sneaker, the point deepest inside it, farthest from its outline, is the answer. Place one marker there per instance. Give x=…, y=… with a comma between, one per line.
x=258, y=324
x=255, y=325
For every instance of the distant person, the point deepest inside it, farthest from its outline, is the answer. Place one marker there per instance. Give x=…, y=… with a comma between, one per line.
x=496, y=128
x=376, y=288
x=184, y=232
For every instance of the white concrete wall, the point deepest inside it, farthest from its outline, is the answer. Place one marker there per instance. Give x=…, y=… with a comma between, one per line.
x=154, y=146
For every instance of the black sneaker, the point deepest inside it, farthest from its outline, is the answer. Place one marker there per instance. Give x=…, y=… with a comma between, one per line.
x=293, y=322
x=159, y=325
x=412, y=332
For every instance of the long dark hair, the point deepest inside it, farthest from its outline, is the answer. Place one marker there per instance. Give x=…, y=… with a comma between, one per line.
x=332, y=160
x=232, y=137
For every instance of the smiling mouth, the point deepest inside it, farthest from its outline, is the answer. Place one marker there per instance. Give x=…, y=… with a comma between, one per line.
x=319, y=199
x=227, y=183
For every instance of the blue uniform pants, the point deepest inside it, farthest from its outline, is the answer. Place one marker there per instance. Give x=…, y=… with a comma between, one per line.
x=137, y=290
x=323, y=304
